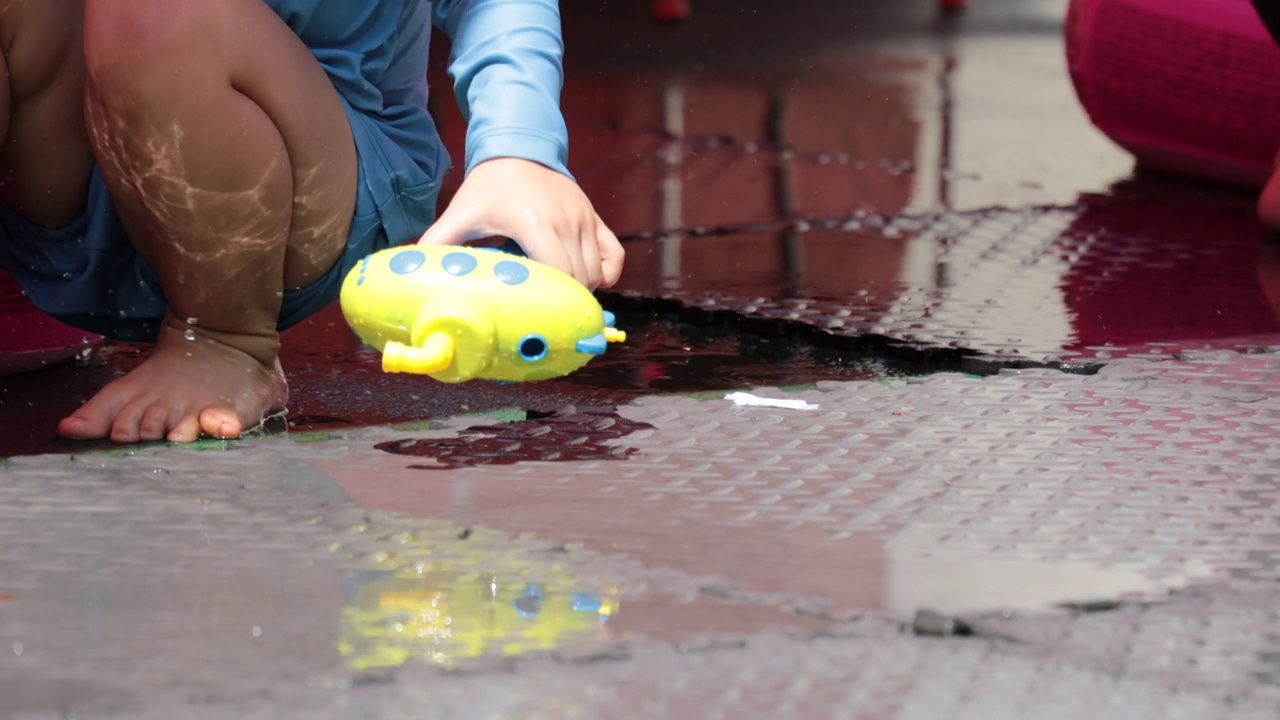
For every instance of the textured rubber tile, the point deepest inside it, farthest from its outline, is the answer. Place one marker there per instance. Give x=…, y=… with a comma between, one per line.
x=1073, y=286
x=678, y=557
x=881, y=677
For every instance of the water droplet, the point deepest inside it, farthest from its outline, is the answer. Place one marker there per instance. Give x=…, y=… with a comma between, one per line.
x=193, y=321
x=189, y=334
x=257, y=631
x=18, y=649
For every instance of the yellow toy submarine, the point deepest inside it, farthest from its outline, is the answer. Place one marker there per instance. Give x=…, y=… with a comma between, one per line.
x=462, y=313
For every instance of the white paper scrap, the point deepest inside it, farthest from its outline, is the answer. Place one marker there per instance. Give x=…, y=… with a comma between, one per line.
x=742, y=399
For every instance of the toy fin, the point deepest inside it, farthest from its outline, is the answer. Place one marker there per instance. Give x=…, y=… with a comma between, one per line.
x=594, y=345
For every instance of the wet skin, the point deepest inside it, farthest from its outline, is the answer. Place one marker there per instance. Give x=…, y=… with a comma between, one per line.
x=227, y=233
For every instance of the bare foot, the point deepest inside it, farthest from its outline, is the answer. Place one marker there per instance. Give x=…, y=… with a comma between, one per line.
x=186, y=388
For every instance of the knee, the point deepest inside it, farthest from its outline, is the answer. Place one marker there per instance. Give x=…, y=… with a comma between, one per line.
x=134, y=47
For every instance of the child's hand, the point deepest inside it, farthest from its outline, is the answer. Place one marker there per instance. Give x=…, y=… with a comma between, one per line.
x=544, y=211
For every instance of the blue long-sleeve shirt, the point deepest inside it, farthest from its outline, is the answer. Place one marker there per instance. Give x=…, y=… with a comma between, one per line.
x=506, y=65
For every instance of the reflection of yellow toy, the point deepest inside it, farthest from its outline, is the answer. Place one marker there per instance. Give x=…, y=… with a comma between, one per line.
x=441, y=617
x=458, y=313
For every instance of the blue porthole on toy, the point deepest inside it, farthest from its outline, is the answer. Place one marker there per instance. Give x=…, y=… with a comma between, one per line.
x=511, y=272
x=407, y=261
x=533, y=348
x=364, y=267
x=530, y=603
x=458, y=264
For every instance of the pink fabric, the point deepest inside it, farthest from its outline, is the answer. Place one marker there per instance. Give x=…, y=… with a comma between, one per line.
x=1189, y=86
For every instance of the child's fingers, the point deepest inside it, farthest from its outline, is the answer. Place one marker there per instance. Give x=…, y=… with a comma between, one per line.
x=611, y=254
x=591, y=260
x=573, y=249
x=567, y=240
x=584, y=248
x=453, y=227
x=545, y=247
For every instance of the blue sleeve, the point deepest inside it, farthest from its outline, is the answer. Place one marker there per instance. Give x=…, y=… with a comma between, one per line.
x=507, y=67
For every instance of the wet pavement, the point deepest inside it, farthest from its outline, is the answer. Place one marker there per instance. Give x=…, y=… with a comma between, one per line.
x=1011, y=453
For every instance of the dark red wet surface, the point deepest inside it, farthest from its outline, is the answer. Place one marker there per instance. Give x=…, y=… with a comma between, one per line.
x=569, y=435
x=884, y=178
x=337, y=383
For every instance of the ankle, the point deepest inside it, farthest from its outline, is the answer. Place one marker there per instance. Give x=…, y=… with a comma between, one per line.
x=262, y=345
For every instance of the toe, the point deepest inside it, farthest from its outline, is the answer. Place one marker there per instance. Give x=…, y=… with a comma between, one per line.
x=155, y=421
x=78, y=427
x=127, y=425
x=185, y=430
x=92, y=421
x=220, y=423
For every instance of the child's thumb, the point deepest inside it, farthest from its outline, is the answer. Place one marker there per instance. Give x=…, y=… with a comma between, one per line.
x=448, y=229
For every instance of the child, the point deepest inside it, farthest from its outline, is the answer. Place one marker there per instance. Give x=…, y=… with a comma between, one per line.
x=203, y=174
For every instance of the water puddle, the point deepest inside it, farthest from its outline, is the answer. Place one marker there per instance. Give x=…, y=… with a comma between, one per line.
x=764, y=550
x=444, y=593
x=432, y=614
x=569, y=435
x=454, y=596
x=336, y=383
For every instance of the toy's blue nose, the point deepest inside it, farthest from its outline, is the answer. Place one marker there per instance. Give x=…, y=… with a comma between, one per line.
x=594, y=345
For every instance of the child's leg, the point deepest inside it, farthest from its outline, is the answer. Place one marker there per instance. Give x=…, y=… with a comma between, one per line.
x=231, y=161
x=46, y=161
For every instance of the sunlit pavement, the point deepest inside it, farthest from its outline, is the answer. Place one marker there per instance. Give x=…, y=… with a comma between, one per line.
x=1018, y=460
